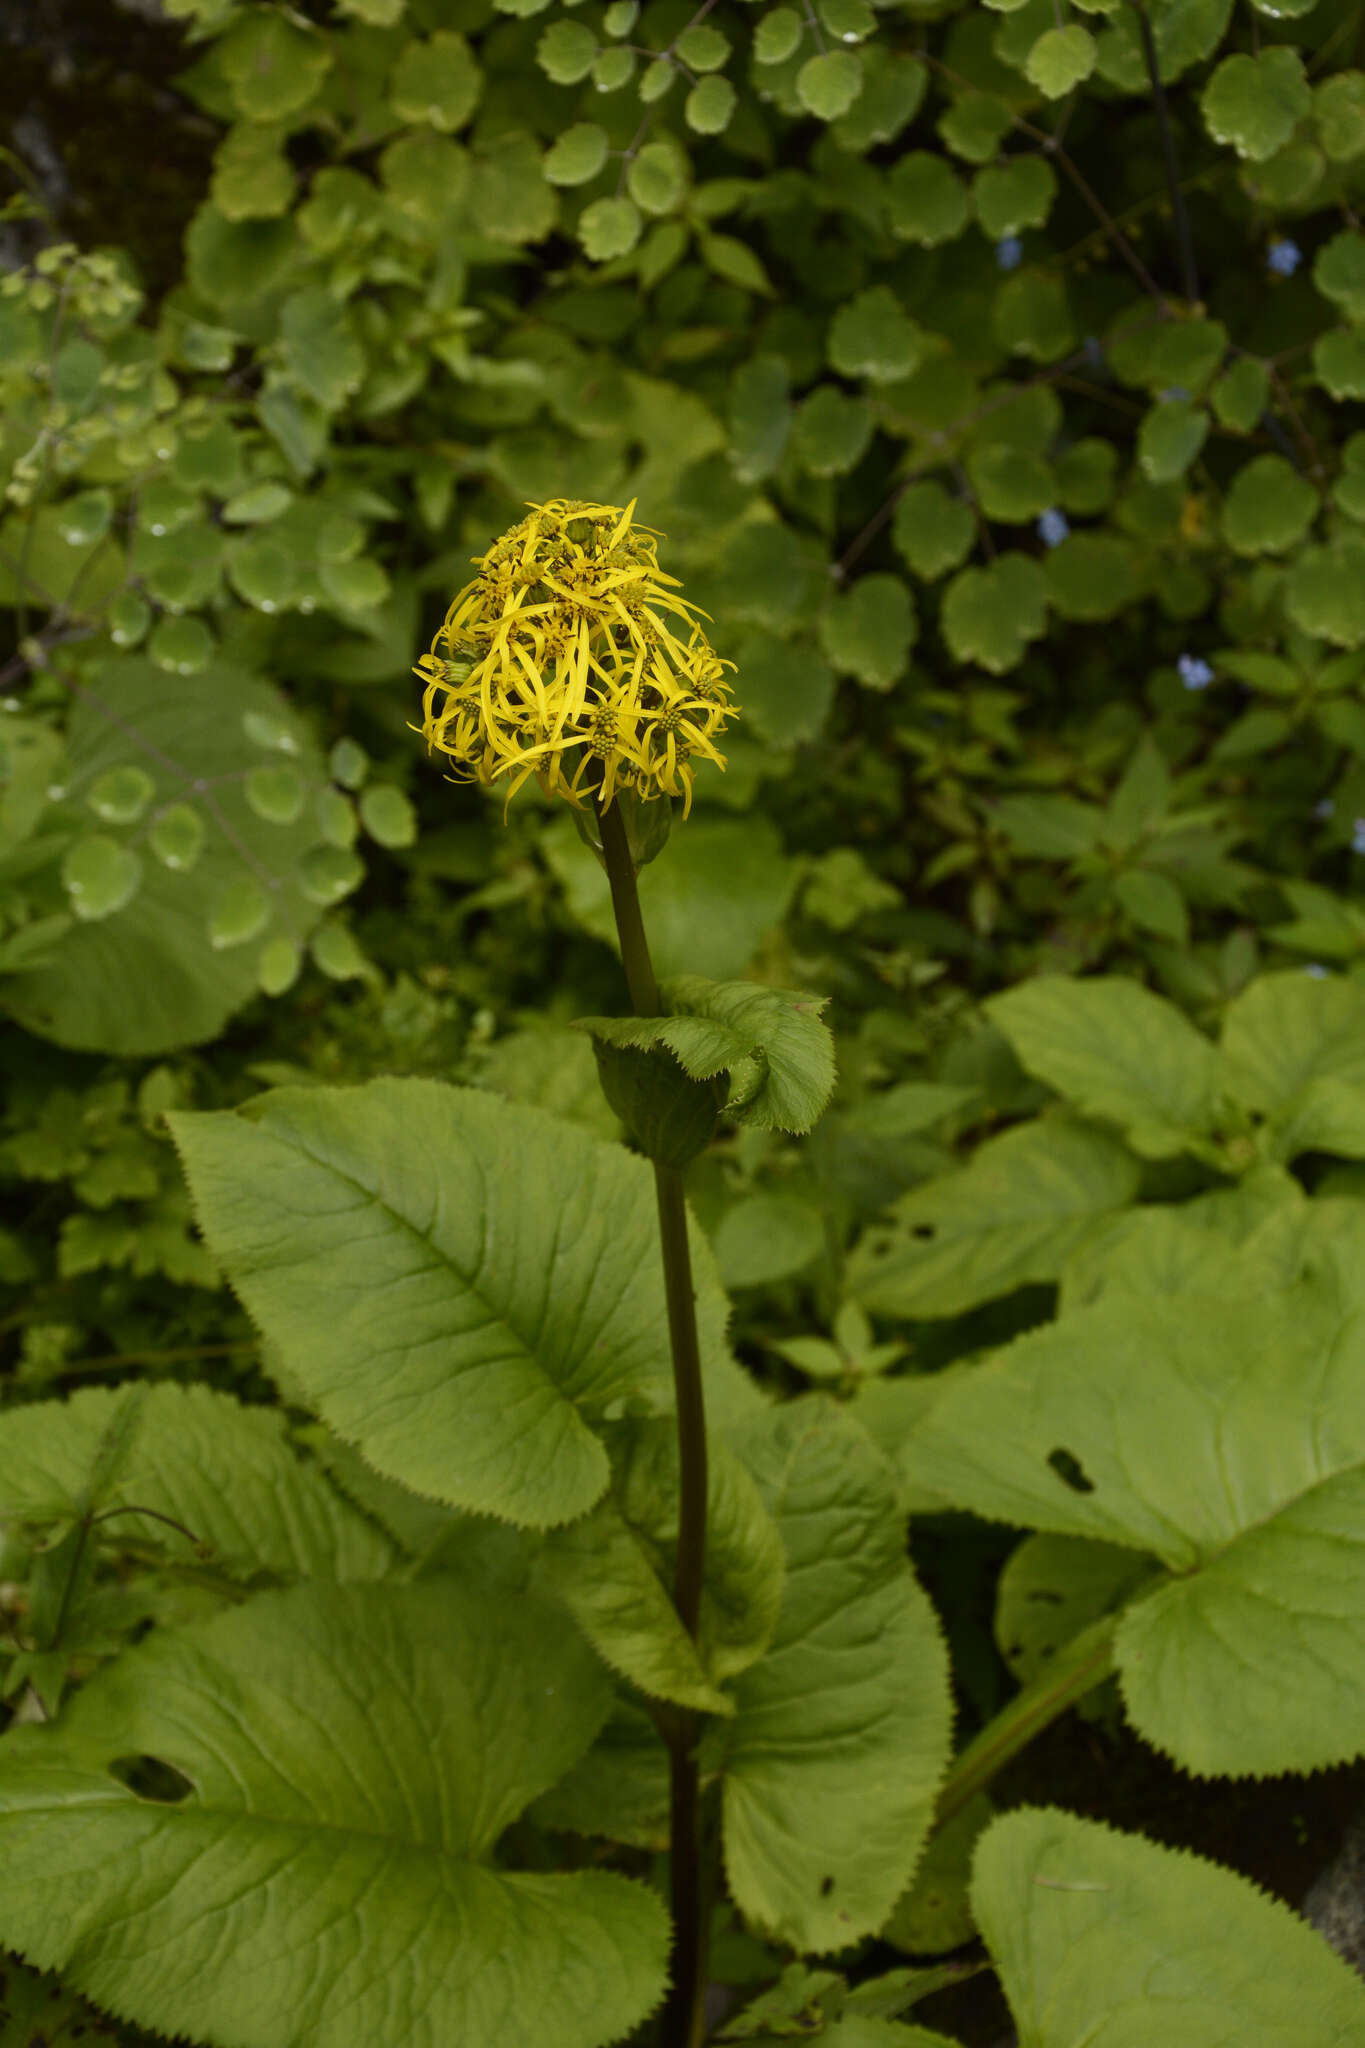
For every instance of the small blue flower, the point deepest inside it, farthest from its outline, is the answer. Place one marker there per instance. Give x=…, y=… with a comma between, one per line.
x=1172, y=391
x=1358, y=836
x=1283, y=257
x=1324, y=807
x=1053, y=527
x=1194, y=671
x=1009, y=252
x=1317, y=970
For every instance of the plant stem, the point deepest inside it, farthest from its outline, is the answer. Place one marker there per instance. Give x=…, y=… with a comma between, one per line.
x=1085, y=1663
x=1188, y=274
x=683, y=2019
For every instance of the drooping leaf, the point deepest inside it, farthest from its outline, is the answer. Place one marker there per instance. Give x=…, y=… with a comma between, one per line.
x=1104, y=1938
x=461, y=1285
x=832, y=1762
x=350, y=1757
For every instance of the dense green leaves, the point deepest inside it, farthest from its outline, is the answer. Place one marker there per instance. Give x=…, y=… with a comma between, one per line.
x=349, y=1759
x=426, y=1226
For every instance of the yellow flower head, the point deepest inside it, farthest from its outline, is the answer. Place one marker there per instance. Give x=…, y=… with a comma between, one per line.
x=572, y=658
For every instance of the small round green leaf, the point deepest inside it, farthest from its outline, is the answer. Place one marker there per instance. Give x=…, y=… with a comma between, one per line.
x=182, y=646
x=874, y=337
x=265, y=729
x=656, y=179
x=348, y=763
x=275, y=792
x=926, y=200
x=777, y=36
x=934, y=532
x=1268, y=508
x=611, y=69
x=387, y=815
x=1339, y=112
x=1324, y=592
x=436, y=80
x=241, y=911
x=121, y=795
x=609, y=228
x=336, y=816
x=336, y=954
x=566, y=51
x=990, y=614
x=1014, y=196
x=1060, y=60
x=257, y=504
x=84, y=519
x=868, y=631
x=277, y=967
x=828, y=85
x=709, y=105
x=832, y=431
x=1255, y=103
x=702, y=48
x=100, y=875
x=129, y=617
x=1339, y=272
x=327, y=873
x=264, y=572
x=177, y=837
x=578, y=155
x=1171, y=435
x=1339, y=362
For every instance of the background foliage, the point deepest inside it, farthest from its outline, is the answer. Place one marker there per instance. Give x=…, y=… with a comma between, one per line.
x=996, y=375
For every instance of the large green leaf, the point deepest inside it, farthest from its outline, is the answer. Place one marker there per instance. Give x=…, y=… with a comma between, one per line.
x=1115, y=1050
x=832, y=1763
x=461, y=1285
x=1013, y=1215
x=149, y=977
x=613, y=1569
x=1227, y=1439
x=1287, y=1030
x=1105, y=1940
x=770, y=1042
x=224, y=1472
x=352, y=1756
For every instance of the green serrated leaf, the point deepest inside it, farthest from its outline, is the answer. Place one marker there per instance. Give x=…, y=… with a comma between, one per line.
x=1269, y=507
x=1088, y=1926
x=609, y=228
x=577, y=155
x=1013, y=196
x=506, y=1337
x=874, y=337
x=436, y=80
x=1011, y=1217
x=566, y=52
x=770, y=1042
x=375, y=1836
x=827, y=1793
x=1115, y=1050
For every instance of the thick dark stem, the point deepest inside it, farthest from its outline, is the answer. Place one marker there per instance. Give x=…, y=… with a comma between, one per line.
x=683, y=2020
x=1189, y=276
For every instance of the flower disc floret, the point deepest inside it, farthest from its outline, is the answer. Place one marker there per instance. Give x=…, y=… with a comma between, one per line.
x=572, y=657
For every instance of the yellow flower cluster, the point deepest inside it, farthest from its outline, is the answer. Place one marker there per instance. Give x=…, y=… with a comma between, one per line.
x=571, y=658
